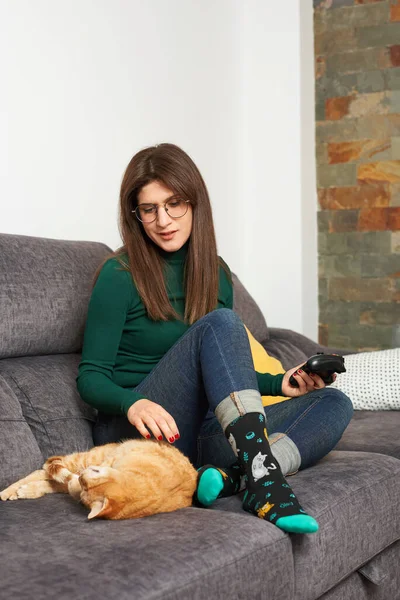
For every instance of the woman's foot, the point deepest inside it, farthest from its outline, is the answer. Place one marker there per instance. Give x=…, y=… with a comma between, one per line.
x=214, y=483
x=268, y=494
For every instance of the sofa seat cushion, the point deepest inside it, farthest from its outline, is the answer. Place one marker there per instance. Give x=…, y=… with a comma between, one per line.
x=45, y=388
x=50, y=550
x=373, y=431
x=355, y=497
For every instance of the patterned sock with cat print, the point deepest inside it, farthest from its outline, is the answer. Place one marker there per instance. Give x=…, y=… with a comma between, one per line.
x=214, y=483
x=268, y=495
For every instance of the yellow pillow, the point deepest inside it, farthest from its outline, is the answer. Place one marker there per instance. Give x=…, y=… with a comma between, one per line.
x=263, y=363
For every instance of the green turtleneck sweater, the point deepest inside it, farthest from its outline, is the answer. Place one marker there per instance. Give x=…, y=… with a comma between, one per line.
x=122, y=345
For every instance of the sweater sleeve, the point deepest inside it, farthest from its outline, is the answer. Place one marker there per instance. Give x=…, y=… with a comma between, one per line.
x=269, y=385
x=108, y=306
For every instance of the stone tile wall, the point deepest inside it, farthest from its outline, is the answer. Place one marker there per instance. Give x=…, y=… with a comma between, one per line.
x=357, y=65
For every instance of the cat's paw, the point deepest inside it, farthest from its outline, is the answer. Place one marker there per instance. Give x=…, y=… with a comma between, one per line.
x=56, y=469
x=10, y=493
x=74, y=487
x=33, y=489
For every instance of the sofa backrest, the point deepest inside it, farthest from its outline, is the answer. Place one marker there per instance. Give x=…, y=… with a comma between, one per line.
x=45, y=287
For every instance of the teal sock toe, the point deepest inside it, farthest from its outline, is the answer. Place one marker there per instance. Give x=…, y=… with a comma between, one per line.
x=298, y=524
x=209, y=486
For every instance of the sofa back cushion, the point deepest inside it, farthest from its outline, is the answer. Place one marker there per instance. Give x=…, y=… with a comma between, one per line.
x=45, y=389
x=19, y=450
x=248, y=310
x=45, y=286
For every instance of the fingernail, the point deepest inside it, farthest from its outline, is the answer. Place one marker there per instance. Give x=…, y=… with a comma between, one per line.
x=299, y=371
x=148, y=436
x=177, y=436
x=171, y=439
x=159, y=437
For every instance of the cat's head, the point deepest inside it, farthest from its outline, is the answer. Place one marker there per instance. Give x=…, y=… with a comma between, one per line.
x=259, y=459
x=127, y=494
x=147, y=478
x=107, y=492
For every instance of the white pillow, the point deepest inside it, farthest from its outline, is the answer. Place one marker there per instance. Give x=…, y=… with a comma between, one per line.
x=372, y=380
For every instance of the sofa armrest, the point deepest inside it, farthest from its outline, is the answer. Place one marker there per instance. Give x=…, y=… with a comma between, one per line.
x=309, y=347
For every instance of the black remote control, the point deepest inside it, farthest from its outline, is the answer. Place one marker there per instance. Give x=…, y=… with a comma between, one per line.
x=324, y=365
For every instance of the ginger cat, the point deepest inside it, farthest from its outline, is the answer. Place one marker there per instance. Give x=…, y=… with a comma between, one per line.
x=126, y=480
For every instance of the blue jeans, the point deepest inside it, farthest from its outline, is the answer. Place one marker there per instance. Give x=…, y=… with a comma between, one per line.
x=209, y=362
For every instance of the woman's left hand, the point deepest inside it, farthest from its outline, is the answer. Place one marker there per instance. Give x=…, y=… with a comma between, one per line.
x=307, y=383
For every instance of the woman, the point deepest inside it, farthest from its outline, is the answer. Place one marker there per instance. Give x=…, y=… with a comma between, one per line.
x=160, y=359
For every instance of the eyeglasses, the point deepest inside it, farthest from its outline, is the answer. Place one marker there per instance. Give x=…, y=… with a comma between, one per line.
x=175, y=208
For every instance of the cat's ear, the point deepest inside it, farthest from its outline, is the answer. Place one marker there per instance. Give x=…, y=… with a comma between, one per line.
x=99, y=508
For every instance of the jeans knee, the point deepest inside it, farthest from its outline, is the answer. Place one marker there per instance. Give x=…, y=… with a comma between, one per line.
x=342, y=402
x=223, y=317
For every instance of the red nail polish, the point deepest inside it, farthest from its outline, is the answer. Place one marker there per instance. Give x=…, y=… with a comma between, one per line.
x=300, y=371
x=171, y=439
x=148, y=436
x=160, y=438
x=177, y=436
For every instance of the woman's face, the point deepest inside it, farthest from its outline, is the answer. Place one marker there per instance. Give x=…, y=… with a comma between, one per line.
x=156, y=193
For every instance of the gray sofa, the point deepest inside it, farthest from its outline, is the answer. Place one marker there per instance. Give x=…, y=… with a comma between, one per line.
x=50, y=550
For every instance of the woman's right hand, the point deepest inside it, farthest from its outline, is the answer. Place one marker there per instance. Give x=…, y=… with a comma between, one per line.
x=146, y=415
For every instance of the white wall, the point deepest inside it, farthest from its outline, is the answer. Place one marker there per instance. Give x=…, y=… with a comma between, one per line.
x=276, y=244
x=309, y=202
x=88, y=83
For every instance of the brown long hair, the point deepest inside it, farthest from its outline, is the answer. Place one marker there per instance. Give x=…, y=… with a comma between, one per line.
x=171, y=166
